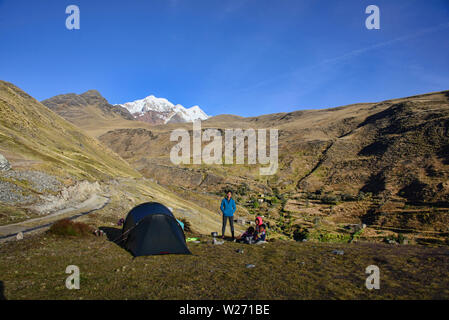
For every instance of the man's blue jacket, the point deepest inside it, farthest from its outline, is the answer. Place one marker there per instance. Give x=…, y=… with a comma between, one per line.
x=228, y=207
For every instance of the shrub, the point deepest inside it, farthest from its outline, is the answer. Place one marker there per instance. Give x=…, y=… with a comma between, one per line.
x=364, y=196
x=242, y=189
x=330, y=199
x=300, y=234
x=400, y=238
x=256, y=204
x=323, y=236
x=348, y=197
x=66, y=227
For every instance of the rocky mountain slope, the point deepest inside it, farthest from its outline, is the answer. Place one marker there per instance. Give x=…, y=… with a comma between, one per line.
x=32, y=133
x=49, y=164
x=159, y=111
x=384, y=164
x=81, y=108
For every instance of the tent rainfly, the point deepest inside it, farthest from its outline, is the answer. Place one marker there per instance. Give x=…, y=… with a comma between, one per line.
x=151, y=229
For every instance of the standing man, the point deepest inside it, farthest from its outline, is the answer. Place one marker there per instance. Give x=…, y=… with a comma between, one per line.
x=228, y=208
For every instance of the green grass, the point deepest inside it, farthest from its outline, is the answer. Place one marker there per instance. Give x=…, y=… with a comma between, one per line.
x=35, y=269
x=13, y=214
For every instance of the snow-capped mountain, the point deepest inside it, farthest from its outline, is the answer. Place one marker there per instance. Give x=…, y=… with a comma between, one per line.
x=159, y=110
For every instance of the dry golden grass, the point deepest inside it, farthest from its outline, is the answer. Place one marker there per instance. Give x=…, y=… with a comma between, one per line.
x=30, y=131
x=283, y=270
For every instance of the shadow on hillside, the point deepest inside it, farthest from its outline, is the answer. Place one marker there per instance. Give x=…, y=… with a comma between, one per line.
x=443, y=153
x=370, y=217
x=376, y=148
x=2, y=291
x=447, y=94
x=113, y=235
x=375, y=183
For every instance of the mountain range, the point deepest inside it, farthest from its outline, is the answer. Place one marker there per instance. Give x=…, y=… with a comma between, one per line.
x=160, y=111
x=92, y=107
x=52, y=162
x=349, y=178
x=383, y=164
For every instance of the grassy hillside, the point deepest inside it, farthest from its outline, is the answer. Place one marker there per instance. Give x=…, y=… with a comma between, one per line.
x=91, y=112
x=31, y=133
x=49, y=156
x=283, y=270
x=382, y=164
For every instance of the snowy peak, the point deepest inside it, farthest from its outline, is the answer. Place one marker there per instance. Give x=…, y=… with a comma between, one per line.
x=159, y=110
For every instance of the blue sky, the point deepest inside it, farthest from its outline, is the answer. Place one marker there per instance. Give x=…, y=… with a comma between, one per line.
x=245, y=57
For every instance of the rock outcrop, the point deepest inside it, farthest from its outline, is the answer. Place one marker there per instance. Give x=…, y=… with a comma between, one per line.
x=4, y=163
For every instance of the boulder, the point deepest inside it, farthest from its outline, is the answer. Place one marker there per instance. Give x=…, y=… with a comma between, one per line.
x=4, y=163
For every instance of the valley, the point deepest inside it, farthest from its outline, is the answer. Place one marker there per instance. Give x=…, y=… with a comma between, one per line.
x=368, y=180
x=382, y=165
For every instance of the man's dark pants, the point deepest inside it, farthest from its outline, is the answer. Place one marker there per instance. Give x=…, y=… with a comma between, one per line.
x=231, y=223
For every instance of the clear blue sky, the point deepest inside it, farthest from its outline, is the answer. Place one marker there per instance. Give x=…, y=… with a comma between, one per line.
x=245, y=57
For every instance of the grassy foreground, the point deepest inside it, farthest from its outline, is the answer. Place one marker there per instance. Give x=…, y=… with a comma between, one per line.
x=34, y=268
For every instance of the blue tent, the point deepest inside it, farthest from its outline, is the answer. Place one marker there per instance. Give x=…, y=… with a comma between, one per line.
x=151, y=228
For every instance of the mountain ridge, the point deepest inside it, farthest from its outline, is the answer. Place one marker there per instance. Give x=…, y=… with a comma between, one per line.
x=72, y=105
x=365, y=163
x=161, y=111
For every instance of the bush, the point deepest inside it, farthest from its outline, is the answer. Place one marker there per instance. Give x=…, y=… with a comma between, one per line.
x=364, y=196
x=256, y=204
x=242, y=189
x=401, y=239
x=66, y=227
x=330, y=199
x=324, y=236
x=300, y=234
x=348, y=197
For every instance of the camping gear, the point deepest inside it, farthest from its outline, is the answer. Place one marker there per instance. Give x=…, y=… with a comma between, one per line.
x=180, y=223
x=215, y=241
x=150, y=229
x=99, y=233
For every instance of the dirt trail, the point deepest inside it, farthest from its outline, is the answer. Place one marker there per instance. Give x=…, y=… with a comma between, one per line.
x=95, y=202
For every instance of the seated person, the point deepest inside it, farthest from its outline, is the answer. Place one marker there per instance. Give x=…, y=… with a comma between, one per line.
x=260, y=236
x=259, y=222
x=247, y=236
